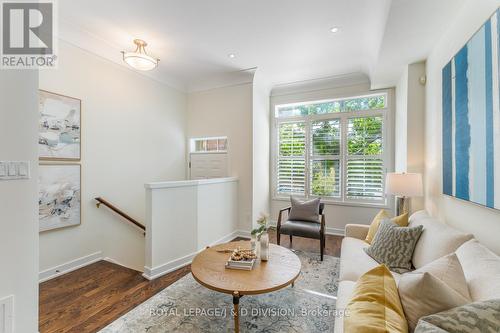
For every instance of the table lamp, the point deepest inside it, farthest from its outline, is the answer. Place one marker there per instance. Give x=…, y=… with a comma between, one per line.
x=403, y=186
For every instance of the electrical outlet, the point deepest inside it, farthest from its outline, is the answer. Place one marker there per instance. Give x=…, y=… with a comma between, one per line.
x=6, y=314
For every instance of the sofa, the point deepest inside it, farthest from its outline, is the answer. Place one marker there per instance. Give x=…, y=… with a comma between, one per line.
x=481, y=266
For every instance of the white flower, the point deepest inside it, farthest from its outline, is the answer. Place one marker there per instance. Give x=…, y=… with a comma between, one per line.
x=262, y=220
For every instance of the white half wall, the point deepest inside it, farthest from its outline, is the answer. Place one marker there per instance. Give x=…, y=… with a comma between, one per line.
x=184, y=217
x=484, y=223
x=227, y=112
x=133, y=132
x=19, y=198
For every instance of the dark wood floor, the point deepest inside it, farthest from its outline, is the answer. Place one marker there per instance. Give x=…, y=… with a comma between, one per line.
x=90, y=298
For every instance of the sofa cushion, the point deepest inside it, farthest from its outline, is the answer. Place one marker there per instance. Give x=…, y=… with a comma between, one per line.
x=470, y=318
x=343, y=297
x=375, y=306
x=354, y=262
x=437, y=239
x=424, y=294
x=393, y=246
x=304, y=210
x=481, y=269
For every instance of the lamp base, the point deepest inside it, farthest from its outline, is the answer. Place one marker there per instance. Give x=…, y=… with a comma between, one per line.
x=402, y=205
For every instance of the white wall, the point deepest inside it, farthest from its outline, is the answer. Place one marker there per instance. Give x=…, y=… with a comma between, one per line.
x=228, y=112
x=337, y=215
x=482, y=222
x=261, y=119
x=19, y=198
x=401, y=123
x=133, y=132
x=410, y=125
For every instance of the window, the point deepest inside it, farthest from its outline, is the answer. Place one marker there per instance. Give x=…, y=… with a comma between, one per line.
x=209, y=145
x=332, y=149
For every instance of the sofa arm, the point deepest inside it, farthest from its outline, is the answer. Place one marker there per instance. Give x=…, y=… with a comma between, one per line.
x=358, y=231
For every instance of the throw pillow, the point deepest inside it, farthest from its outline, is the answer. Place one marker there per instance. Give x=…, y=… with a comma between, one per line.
x=394, y=245
x=449, y=270
x=474, y=317
x=304, y=210
x=375, y=306
x=401, y=220
x=423, y=294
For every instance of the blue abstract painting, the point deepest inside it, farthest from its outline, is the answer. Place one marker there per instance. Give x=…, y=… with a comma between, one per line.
x=471, y=119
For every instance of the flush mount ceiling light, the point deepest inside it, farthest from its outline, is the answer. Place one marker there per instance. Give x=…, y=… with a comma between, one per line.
x=335, y=30
x=139, y=59
x=231, y=55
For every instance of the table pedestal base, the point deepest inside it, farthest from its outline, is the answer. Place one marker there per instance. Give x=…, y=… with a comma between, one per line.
x=236, y=314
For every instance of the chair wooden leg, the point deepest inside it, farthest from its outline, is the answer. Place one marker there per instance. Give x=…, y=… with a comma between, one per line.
x=322, y=246
x=278, y=237
x=290, y=240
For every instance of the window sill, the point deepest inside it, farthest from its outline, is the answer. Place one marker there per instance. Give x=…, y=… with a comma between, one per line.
x=383, y=205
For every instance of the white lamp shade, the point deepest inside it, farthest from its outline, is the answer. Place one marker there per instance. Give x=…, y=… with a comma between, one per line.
x=404, y=184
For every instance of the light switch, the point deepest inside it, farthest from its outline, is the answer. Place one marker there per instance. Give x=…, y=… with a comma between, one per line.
x=24, y=168
x=12, y=172
x=3, y=169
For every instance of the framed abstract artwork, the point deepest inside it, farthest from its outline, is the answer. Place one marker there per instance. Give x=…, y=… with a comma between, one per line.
x=59, y=196
x=471, y=118
x=59, y=130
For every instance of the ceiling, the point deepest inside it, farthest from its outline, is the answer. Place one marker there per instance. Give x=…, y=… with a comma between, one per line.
x=287, y=40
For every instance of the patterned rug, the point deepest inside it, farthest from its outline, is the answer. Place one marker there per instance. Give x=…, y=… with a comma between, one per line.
x=186, y=306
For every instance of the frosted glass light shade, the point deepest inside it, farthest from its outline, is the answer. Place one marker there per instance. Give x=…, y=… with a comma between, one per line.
x=404, y=184
x=139, y=59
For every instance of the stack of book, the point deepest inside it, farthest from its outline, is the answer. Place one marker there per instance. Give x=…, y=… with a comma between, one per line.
x=245, y=264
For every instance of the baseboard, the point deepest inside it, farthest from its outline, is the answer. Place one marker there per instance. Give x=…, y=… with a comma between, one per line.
x=328, y=230
x=69, y=266
x=335, y=231
x=113, y=261
x=156, y=272
x=243, y=233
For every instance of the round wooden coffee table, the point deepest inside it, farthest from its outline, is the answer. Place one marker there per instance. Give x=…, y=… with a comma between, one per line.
x=281, y=270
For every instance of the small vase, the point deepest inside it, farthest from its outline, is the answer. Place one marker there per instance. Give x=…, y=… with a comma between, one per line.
x=255, y=245
x=264, y=246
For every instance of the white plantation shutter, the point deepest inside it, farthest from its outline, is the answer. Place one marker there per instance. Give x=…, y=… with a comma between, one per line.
x=365, y=179
x=291, y=176
x=365, y=164
x=325, y=158
x=291, y=158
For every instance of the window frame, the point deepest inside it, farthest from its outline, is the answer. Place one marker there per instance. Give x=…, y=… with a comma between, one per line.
x=387, y=142
x=192, y=145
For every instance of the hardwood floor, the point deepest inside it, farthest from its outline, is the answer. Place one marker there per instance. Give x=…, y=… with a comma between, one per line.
x=90, y=298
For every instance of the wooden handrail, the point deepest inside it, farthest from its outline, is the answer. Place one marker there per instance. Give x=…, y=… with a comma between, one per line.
x=119, y=212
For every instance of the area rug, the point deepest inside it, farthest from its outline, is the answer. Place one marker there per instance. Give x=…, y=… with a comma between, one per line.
x=186, y=306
